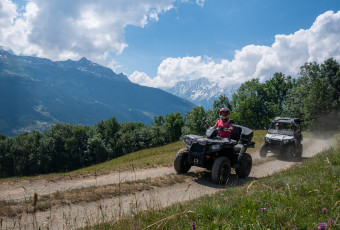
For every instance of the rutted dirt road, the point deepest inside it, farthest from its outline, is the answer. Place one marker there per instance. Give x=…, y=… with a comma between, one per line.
x=77, y=215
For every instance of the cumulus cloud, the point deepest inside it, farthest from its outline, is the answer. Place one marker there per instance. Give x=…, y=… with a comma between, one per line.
x=288, y=52
x=62, y=29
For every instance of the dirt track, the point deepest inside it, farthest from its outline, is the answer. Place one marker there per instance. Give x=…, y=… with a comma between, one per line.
x=76, y=215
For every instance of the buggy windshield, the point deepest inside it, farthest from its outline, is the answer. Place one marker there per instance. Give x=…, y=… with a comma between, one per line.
x=281, y=132
x=281, y=128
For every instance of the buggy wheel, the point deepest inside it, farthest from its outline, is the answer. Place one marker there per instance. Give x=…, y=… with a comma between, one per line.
x=181, y=163
x=290, y=152
x=221, y=170
x=299, y=154
x=245, y=166
x=263, y=150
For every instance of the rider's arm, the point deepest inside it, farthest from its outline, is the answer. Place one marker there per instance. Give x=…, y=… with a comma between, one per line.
x=231, y=127
x=216, y=125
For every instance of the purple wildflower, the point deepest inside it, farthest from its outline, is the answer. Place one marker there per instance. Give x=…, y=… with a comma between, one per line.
x=330, y=220
x=258, y=201
x=296, y=228
x=193, y=225
x=322, y=226
x=324, y=210
x=266, y=204
x=263, y=209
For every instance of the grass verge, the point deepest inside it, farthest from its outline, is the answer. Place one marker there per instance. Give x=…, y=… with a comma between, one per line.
x=306, y=196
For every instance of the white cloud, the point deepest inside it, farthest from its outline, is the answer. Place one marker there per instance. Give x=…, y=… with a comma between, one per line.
x=286, y=55
x=62, y=29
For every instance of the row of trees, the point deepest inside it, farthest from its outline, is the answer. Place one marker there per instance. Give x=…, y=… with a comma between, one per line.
x=67, y=147
x=314, y=96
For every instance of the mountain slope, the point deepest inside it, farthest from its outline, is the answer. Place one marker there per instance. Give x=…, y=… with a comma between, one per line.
x=200, y=92
x=35, y=93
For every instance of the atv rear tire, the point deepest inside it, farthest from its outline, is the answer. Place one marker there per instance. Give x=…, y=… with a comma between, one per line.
x=221, y=170
x=245, y=166
x=263, y=150
x=181, y=163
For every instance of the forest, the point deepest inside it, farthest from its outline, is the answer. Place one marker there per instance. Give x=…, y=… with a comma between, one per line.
x=314, y=96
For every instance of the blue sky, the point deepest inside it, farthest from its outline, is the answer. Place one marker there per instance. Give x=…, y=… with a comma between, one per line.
x=217, y=29
x=160, y=42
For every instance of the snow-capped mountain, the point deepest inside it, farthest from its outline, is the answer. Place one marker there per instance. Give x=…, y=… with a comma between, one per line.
x=201, y=92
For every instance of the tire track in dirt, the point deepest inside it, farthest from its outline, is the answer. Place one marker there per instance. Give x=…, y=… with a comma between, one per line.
x=77, y=215
x=19, y=190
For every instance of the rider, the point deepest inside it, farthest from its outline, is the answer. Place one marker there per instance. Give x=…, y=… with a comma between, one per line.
x=223, y=125
x=297, y=134
x=277, y=126
x=225, y=128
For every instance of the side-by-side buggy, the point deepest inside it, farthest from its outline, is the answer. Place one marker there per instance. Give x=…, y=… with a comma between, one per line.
x=283, y=138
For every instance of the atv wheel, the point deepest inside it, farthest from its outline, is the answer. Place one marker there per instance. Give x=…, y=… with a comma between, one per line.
x=221, y=170
x=181, y=163
x=263, y=150
x=245, y=166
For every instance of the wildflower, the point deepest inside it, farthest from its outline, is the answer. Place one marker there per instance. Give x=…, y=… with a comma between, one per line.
x=258, y=201
x=324, y=210
x=322, y=226
x=193, y=225
x=263, y=209
x=330, y=220
x=266, y=204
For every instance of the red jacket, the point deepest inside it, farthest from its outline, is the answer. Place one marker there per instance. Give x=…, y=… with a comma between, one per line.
x=225, y=125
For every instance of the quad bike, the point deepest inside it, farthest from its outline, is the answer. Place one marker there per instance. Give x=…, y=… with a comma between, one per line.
x=283, y=138
x=217, y=154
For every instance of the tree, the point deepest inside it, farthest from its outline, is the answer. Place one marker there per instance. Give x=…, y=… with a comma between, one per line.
x=316, y=95
x=194, y=121
x=173, y=124
x=275, y=92
x=24, y=150
x=6, y=158
x=96, y=151
x=248, y=105
x=158, y=120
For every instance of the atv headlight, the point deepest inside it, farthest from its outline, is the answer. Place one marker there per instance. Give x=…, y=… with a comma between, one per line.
x=215, y=147
x=187, y=141
x=266, y=139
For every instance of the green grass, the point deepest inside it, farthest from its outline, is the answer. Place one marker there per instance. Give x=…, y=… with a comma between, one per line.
x=147, y=158
x=301, y=197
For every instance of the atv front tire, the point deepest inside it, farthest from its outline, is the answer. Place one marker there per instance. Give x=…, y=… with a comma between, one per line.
x=181, y=163
x=263, y=150
x=245, y=166
x=221, y=170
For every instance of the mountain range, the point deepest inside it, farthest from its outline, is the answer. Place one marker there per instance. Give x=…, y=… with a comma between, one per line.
x=36, y=93
x=201, y=91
